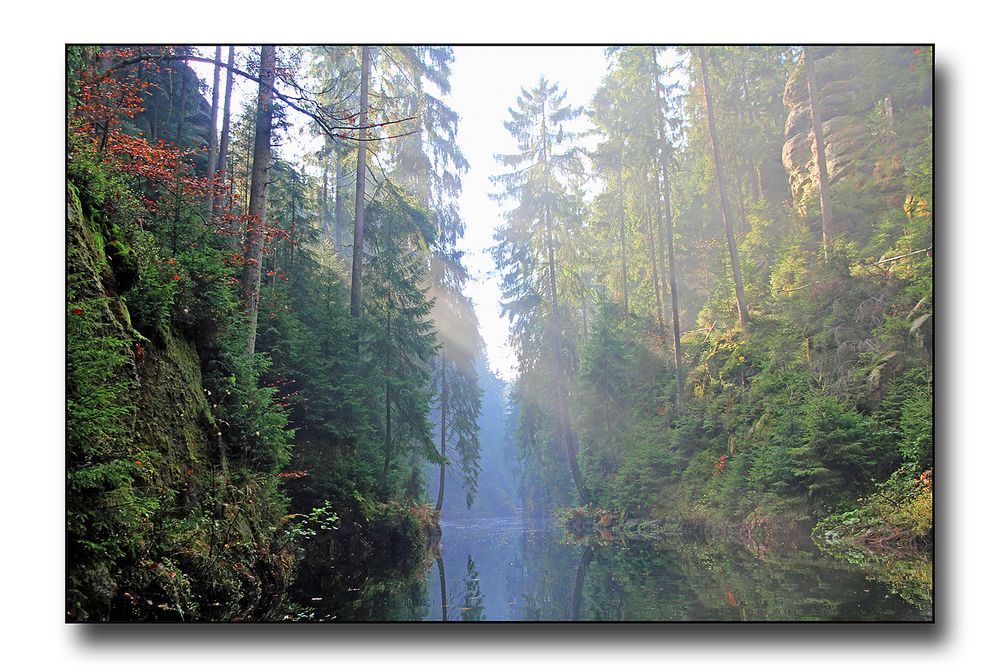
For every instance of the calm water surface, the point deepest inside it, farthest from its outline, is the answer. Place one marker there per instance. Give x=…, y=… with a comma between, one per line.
x=508, y=569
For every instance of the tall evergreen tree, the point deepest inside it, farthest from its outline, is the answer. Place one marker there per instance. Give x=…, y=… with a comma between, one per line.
x=667, y=226
x=400, y=342
x=727, y=216
x=359, y=197
x=253, y=253
x=819, y=148
x=536, y=185
x=213, y=139
x=223, y=161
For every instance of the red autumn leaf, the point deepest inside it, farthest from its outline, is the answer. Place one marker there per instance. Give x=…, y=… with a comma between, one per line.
x=78, y=311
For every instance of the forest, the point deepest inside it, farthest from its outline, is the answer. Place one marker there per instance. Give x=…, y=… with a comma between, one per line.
x=717, y=276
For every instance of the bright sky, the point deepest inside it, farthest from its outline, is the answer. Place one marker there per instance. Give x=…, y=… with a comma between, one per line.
x=485, y=82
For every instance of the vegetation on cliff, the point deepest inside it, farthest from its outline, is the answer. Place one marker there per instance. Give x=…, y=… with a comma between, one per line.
x=198, y=470
x=816, y=402
x=718, y=275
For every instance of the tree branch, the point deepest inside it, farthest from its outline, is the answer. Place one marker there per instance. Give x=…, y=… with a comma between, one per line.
x=796, y=289
x=324, y=124
x=893, y=259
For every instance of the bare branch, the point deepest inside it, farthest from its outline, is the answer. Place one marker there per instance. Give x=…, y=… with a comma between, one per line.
x=325, y=125
x=893, y=259
x=796, y=289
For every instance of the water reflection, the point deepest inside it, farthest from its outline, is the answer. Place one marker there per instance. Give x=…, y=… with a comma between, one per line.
x=472, y=599
x=529, y=573
x=444, y=589
x=514, y=570
x=581, y=576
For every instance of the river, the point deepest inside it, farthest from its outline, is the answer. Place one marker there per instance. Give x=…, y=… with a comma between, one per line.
x=508, y=569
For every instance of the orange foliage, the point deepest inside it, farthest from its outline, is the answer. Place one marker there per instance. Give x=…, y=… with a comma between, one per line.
x=720, y=465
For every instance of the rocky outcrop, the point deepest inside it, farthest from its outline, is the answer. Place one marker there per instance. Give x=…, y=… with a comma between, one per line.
x=863, y=91
x=146, y=490
x=845, y=133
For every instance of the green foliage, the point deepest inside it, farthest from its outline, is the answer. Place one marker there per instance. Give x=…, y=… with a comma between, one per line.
x=829, y=389
x=836, y=458
x=180, y=443
x=400, y=341
x=145, y=518
x=906, y=416
x=899, y=512
x=640, y=480
x=152, y=300
x=320, y=519
x=107, y=510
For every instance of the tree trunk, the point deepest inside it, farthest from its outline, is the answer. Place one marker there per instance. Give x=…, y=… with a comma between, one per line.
x=562, y=395
x=338, y=215
x=174, y=238
x=359, y=202
x=819, y=150
x=224, y=140
x=653, y=264
x=581, y=575
x=324, y=208
x=258, y=193
x=444, y=424
x=727, y=218
x=668, y=233
x=213, y=139
x=383, y=485
x=181, y=117
x=621, y=227
x=388, y=402
x=444, y=590
x=660, y=251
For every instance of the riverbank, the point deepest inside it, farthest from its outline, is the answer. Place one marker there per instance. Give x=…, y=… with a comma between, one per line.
x=523, y=569
x=376, y=554
x=889, y=547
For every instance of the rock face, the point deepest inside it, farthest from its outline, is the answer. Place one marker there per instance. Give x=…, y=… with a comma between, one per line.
x=143, y=458
x=159, y=118
x=844, y=132
x=862, y=93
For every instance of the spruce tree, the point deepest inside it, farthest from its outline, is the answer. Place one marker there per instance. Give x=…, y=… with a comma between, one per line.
x=536, y=184
x=399, y=343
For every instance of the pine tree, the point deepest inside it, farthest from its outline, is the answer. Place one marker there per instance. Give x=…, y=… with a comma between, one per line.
x=527, y=244
x=459, y=395
x=359, y=197
x=819, y=149
x=253, y=253
x=667, y=227
x=727, y=216
x=226, y=112
x=400, y=342
x=429, y=165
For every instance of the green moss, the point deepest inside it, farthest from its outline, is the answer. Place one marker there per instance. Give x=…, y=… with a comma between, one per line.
x=156, y=531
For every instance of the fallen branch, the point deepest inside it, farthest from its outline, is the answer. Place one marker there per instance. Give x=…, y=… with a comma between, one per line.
x=796, y=289
x=893, y=259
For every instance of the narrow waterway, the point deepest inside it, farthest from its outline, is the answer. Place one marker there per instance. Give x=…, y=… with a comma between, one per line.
x=510, y=569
